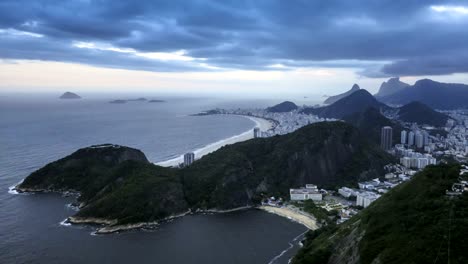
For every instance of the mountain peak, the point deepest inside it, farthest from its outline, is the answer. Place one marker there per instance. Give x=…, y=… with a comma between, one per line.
x=393, y=85
x=333, y=99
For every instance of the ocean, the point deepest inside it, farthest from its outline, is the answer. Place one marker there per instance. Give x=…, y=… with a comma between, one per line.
x=37, y=130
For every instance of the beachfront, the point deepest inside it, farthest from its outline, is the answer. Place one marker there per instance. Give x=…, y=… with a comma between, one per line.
x=262, y=124
x=292, y=214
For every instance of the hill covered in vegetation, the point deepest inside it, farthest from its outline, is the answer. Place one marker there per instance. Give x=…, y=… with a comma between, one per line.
x=118, y=185
x=357, y=102
x=416, y=112
x=285, y=106
x=416, y=222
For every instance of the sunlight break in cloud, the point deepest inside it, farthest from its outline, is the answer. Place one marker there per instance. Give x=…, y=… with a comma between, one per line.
x=163, y=56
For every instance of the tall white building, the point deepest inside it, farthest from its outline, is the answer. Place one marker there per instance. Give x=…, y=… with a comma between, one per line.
x=386, y=138
x=256, y=132
x=189, y=158
x=411, y=138
x=403, y=137
x=419, y=139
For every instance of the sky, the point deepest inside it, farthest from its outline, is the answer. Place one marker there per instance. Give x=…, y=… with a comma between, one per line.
x=262, y=47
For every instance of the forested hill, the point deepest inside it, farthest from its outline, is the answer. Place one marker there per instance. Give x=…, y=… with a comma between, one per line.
x=416, y=222
x=118, y=183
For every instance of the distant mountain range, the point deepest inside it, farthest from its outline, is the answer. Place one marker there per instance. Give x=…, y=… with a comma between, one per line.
x=358, y=101
x=69, y=95
x=391, y=86
x=285, y=106
x=413, y=223
x=355, y=108
x=437, y=95
x=334, y=98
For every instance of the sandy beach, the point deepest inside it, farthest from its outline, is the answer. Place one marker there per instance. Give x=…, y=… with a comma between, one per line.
x=261, y=123
x=294, y=215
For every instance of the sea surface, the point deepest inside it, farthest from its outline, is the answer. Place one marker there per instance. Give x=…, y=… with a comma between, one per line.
x=37, y=130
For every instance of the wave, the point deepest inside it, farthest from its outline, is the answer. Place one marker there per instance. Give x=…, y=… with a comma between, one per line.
x=12, y=189
x=65, y=222
x=291, y=245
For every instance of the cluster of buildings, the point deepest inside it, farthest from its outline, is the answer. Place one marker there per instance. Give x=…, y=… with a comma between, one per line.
x=284, y=123
x=456, y=142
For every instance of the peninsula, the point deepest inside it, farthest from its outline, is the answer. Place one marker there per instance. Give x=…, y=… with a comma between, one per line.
x=119, y=188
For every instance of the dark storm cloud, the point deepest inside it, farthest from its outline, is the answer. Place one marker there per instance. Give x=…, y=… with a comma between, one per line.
x=407, y=36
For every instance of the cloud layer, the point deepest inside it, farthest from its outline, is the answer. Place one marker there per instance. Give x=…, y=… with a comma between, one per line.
x=378, y=38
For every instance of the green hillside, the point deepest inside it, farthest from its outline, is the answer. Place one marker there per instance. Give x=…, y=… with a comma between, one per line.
x=118, y=183
x=414, y=223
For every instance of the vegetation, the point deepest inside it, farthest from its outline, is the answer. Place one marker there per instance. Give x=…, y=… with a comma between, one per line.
x=285, y=106
x=357, y=102
x=416, y=112
x=370, y=123
x=119, y=183
x=414, y=223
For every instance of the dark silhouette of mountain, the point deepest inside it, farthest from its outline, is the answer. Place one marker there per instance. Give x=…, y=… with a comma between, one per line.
x=285, y=106
x=391, y=86
x=70, y=95
x=416, y=112
x=370, y=123
x=414, y=222
x=119, y=186
x=436, y=95
x=333, y=99
x=358, y=101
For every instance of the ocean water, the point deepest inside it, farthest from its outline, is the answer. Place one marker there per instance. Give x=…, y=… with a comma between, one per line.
x=36, y=131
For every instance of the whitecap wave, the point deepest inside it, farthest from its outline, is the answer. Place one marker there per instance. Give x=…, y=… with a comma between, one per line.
x=65, y=222
x=12, y=189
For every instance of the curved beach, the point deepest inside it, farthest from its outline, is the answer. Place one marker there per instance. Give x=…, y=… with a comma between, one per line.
x=294, y=215
x=262, y=124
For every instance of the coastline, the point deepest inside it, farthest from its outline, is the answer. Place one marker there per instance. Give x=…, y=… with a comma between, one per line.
x=294, y=215
x=110, y=226
x=261, y=123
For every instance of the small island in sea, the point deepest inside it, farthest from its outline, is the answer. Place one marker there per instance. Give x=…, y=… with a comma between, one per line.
x=69, y=95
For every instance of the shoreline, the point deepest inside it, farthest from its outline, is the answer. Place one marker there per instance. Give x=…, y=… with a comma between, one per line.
x=261, y=123
x=301, y=218
x=110, y=226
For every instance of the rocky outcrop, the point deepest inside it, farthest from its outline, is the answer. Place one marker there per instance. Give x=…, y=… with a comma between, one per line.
x=393, y=85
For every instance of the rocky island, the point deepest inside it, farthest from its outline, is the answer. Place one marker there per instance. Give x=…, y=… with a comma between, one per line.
x=70, y=95
x=119, y=188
